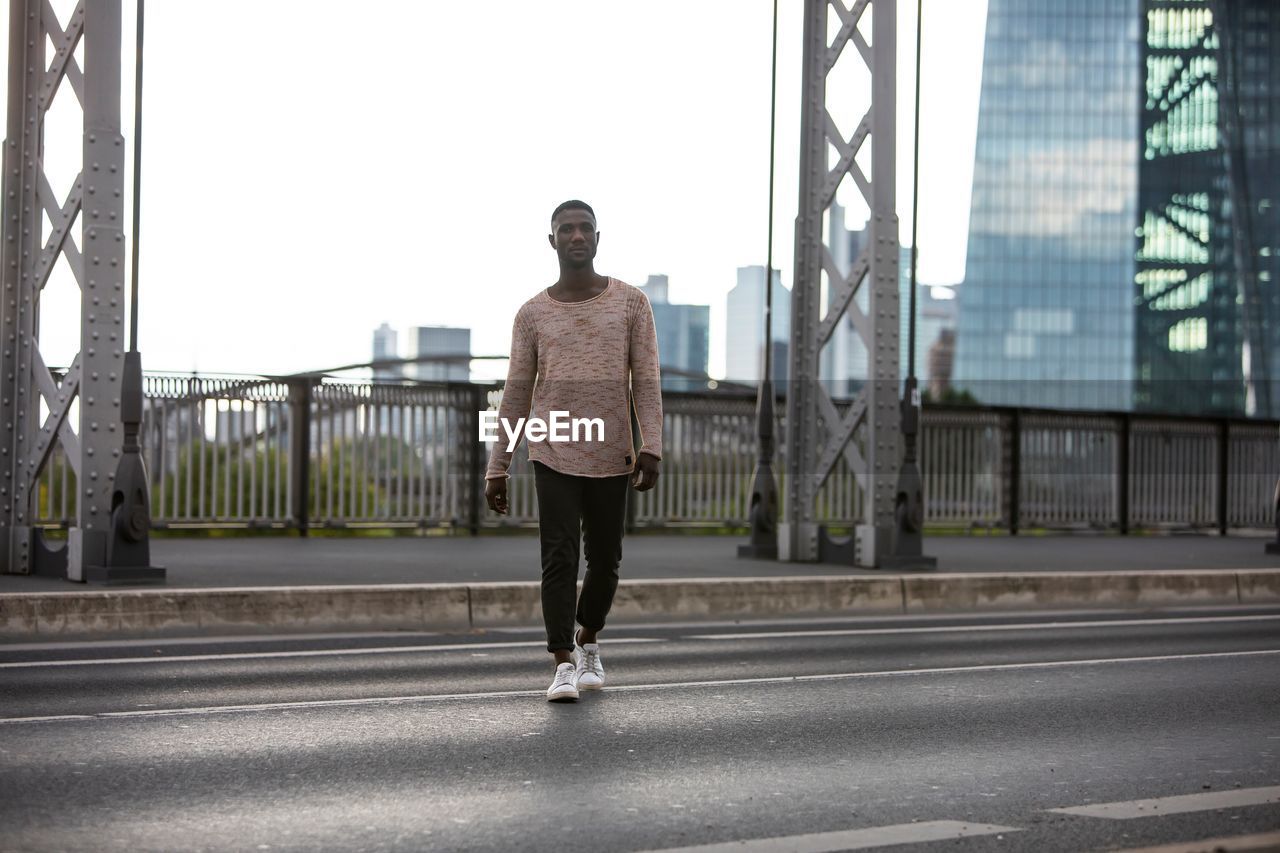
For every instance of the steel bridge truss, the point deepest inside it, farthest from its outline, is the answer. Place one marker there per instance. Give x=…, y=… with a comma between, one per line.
x=84, y=416
x=866, y=435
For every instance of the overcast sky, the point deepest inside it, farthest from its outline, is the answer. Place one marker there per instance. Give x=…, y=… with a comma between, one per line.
x=311, y=171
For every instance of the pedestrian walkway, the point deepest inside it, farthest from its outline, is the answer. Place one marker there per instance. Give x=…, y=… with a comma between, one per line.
x=293, y=561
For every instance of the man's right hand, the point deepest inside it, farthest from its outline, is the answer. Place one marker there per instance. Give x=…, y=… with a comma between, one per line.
x=495, y=492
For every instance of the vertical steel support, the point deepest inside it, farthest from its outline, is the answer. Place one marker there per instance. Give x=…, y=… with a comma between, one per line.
x=300, y=397
x=22, y=157
x=1274, y=547
x=94, y=441
x=866, y=436
x=1224, y=475
x=92, y=445
x=102, y=296
x=1015, y=472
x=475, y=454
x=1125, y=485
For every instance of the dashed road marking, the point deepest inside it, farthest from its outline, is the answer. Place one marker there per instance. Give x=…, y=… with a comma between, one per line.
x=304, y=653
x=1263, y=841
x=851, y=839
x=1181, y=804
x=948, y=629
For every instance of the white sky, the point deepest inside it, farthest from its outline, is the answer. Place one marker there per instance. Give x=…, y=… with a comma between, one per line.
x=311, y=172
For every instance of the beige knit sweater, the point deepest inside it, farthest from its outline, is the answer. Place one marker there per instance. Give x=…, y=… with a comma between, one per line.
x=582, y=358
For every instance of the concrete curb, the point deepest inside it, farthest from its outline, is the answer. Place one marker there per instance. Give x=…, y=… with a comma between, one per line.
x=453, y=607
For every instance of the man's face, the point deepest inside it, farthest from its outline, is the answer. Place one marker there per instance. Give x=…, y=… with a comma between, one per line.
x=574, y=237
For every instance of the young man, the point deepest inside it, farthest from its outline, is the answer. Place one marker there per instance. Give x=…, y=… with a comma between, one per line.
x=582, y=348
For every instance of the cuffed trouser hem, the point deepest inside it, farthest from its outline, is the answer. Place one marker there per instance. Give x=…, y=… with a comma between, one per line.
x=573, y=510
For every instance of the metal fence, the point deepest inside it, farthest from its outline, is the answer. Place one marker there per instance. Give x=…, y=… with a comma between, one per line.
x=308, y=453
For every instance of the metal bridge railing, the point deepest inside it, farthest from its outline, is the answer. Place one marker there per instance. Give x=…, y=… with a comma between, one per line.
x=310, y=453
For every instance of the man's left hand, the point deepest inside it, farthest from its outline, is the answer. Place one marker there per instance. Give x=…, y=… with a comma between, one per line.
x=645, y=475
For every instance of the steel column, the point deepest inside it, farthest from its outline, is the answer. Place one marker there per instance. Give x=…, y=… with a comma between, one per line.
x=91, y=442
x=22, y=223
x=102, y=296
x=867, y=435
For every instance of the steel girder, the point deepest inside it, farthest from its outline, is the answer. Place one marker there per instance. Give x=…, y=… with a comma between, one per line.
x=91, y=440
x=866, y=436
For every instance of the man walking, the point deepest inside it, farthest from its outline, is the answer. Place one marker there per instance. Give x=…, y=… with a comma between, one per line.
x=583, y=349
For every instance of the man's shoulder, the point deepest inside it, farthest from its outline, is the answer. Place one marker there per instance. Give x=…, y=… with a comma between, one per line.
x=630, y=292
x=531, y=304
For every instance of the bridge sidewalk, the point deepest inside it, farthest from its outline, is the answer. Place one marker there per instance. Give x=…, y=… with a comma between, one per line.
x=293, y=561
x=246, y=585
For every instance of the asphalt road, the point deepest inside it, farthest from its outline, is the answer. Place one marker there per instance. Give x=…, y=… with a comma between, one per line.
x=933, y=734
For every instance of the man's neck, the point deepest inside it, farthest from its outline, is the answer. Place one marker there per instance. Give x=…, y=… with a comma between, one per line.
x=579, y=282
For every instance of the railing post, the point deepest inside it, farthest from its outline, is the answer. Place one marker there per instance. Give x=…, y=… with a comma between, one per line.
x=1274, y=547
x=1015, y=471
x=1224, y=459
x=1126, y=425
x=300, y=397
x=632, y=495
x=476, y=457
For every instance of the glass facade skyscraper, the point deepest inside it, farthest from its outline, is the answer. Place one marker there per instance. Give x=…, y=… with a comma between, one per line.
x=1046, y=316
x=1123, y=230
x=1208, y=314
x=744, y=319
x=683, y=338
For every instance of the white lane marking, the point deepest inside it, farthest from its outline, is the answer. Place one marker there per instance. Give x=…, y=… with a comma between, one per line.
x=305, y=653
x=1059, y=613
x=1230, y=844
x=210, y=640
x=946, y=629
x=851, y=839
x=1130, y=809
x=632, y=688
x=54, y=718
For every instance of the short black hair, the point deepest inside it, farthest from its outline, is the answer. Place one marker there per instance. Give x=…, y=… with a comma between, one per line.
x=572, y=204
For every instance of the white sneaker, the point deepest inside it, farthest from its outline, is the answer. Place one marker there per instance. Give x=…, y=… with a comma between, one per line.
x=564, y=687
x=590, y=671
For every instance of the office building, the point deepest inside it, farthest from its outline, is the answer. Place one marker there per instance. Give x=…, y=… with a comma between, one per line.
x=683, y=338
x=1046, y=312
x=1208, y=305
x=1122, y=238
x=386, y=345
x=744, y=324
x=451, y=348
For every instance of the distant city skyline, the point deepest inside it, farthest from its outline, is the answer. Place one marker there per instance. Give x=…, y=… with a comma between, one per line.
x=321, y=239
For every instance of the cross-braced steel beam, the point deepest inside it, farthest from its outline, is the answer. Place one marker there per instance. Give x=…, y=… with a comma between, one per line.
x=866, y=435
x=84, y=406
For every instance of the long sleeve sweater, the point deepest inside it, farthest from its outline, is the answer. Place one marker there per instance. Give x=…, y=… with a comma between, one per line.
x=586, y=359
